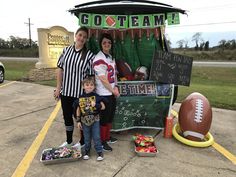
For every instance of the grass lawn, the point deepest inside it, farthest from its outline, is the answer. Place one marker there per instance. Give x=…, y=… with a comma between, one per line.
x=217, y=84
x=17, y=70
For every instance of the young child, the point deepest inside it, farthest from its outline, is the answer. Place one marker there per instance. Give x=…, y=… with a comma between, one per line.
x=88, y=106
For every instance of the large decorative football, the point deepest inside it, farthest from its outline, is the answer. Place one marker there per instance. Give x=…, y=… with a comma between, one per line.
x=123, y=68
x=195, y=116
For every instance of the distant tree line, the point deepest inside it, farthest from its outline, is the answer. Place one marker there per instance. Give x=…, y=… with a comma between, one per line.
x=17, y=43
x=18, y=47
x=201, y=45
x=230, y=44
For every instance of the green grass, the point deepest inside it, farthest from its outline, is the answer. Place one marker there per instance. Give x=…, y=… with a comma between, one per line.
x=212, y=54
x=217, y=84
x=27, y=52
x=17, y=70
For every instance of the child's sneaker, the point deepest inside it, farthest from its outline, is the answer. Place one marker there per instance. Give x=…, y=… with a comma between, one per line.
x=112, y=140
x=106, y=147
x=77, y=146
x=100, y=156
x=86, y=155
x=65, y=144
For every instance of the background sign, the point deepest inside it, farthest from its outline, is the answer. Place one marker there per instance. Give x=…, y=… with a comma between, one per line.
x=141, y=105
x=171, y=68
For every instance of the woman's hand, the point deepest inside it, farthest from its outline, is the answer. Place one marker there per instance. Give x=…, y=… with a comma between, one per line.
x=116, y=92
x=57, y=94
x=79, y=125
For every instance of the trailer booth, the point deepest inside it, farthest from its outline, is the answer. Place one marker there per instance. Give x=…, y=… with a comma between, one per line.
x=138, y=30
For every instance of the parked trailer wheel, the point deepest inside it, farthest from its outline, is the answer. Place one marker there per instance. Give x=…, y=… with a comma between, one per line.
x=2, y=76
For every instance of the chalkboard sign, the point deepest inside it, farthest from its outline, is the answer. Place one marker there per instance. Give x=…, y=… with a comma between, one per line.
x=171, y=68
x=142, y=104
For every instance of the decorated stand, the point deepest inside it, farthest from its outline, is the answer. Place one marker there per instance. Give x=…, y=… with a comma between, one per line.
x=138, y=28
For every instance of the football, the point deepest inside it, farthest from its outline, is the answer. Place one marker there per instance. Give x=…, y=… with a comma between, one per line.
x=195, y=116
x=123, y=68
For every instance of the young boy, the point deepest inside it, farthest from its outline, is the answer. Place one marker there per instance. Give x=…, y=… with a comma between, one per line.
x=88, y=107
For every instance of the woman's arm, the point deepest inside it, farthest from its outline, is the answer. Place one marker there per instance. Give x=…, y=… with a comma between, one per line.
x=59, y=83
x=108, y=86
x=106, y=83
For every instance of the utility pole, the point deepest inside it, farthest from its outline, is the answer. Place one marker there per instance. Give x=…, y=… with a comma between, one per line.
x=29, y=24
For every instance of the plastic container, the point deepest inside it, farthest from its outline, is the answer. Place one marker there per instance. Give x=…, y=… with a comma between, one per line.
x=146, y=154
x=59, y=160
x=143, y=142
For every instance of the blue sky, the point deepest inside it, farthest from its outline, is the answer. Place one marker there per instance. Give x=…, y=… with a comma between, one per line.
x=204, y=16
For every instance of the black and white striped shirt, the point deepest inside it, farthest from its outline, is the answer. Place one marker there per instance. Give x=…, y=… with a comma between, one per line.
x=75, y=70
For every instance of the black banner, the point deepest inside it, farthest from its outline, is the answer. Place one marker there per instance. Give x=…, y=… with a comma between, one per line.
x=171, y=68
x=142, y=104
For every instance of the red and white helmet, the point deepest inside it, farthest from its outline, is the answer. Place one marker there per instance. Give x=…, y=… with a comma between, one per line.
x=143, y=70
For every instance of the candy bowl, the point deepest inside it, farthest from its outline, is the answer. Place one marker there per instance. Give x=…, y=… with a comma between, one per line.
x=145, y=145
x=59, y=155
x=150, y=151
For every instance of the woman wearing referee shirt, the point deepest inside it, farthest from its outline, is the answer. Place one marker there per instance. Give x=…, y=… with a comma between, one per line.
x=106, y=80
x=74, y=64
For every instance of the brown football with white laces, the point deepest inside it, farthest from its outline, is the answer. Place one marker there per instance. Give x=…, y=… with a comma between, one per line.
x=124, y=70
x=195, y=117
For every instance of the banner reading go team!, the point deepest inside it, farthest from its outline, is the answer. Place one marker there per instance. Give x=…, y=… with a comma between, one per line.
x=128, y=21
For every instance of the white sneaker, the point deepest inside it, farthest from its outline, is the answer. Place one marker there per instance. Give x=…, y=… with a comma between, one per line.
x=100, y=156
x=65, y=144
x=86, y=157
x=77, y=146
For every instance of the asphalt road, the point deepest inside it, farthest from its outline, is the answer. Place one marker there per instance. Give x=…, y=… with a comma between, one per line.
x=25, y=108
x=19, y=58
x=195, y=63
x=214, y=64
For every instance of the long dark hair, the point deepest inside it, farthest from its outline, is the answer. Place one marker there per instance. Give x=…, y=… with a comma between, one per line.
x=107, y=36
x=84, y=49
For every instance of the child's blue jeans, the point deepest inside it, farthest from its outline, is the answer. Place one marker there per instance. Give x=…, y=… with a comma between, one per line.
x=92, y=132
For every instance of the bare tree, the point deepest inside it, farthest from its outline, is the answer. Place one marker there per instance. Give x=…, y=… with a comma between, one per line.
x=186, y=43
x=206, y=47
x=196, y=38
x=202, y=44
x=181, y=43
